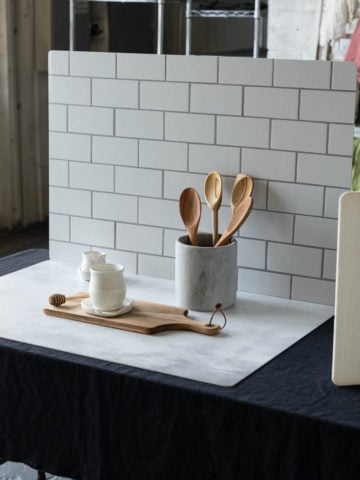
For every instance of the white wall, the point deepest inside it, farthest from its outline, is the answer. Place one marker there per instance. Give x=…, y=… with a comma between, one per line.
x=293, y=29
x=128, y=132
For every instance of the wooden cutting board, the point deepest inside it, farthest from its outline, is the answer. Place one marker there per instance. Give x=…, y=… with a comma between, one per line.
x=145, y=317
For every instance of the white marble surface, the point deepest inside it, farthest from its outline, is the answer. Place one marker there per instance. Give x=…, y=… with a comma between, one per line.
x=258, y=328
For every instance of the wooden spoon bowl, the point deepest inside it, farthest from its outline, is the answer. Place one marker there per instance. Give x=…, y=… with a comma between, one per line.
x=213, y=197
x=190, y=212
x=242, y=188
x=240, y=214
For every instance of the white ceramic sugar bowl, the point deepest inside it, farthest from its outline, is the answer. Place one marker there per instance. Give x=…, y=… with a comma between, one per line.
x=88, y=259
x=107, y=287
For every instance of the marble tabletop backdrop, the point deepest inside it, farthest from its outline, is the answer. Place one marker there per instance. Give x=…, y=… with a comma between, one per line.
x=258, y=328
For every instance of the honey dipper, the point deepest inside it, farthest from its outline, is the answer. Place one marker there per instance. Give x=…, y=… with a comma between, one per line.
x=57, y=299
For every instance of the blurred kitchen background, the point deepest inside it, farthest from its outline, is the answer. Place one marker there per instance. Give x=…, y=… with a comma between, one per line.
x=300, y=29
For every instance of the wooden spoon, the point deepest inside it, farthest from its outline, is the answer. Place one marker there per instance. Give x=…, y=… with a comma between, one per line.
x=242, y=188
x=240, y=214
x=190, y=211
x=213, y=197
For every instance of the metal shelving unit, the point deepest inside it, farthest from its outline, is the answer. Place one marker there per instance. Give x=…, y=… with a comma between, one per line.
x=190, y=13
x=160, y=23
x=230, y=13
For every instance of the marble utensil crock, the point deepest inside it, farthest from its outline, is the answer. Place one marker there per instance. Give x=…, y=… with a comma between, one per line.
x=205, y=275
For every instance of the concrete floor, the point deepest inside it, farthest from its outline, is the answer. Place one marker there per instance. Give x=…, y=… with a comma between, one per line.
x=19, y=471
x=34, y=236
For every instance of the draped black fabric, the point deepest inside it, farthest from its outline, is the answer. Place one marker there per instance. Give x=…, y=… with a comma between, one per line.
x=94, y=420
x=23, y=259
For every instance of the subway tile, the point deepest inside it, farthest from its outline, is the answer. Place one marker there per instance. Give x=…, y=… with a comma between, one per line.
x=170, y=237
x=115, y=151
x=294, y=259
x=328, y=170
x=57, y=117
x=75, y=91
x=298, y=136
x=296, y=198
x=115, y=93
x=329, y=264
x=127, y=259
x=138, y=238
x=205, y=158
x=269, y=164
x=332, y=196
x=159, y=213
x=109, y=206
x=59, y=227
x=260, y=194
x=272, y=226
x=58, y=173
x=164, y=96
x=245, y=132
x=176, y=182
x=92, y=64
x=140, y=66
x=69, y=201
x=313, y=290
x=221, y=99
x=191, y=68
x=224, y=218
x=242, y=145
x=341, y=139
x=251, y=253
x=67, y=252
x=163, y=267
x=139, y=124
x=58, y=62
x=95, y=120
x=316, y=232
x=245, y=71
x=343, y=76
x=186, y=127
x=92, y=176
x=93, y=232
x=138, y=181
x=265, y=283
x=271, y=102
x=163, y=155
x=302, y=74
x=69, y=146
x=327, y=106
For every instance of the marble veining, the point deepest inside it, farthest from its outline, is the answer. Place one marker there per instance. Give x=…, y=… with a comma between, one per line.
x=258, y=328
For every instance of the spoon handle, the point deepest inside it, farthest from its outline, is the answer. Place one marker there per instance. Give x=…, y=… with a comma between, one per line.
x=193, y=237
x=215, y=218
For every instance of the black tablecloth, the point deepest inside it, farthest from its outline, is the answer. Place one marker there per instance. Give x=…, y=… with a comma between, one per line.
x=23, y=259
x=90, y=419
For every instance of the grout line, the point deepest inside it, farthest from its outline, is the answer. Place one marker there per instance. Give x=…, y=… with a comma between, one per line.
x=293, y=231
x=114, y=122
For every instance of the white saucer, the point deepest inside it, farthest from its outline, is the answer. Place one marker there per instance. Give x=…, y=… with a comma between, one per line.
x=83, y=275
x=87, y=306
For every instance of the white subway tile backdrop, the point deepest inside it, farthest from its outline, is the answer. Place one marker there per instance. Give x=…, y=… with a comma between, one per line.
x=128, y=132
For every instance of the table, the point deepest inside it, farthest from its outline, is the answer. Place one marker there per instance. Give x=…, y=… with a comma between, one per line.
x=89, y=419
